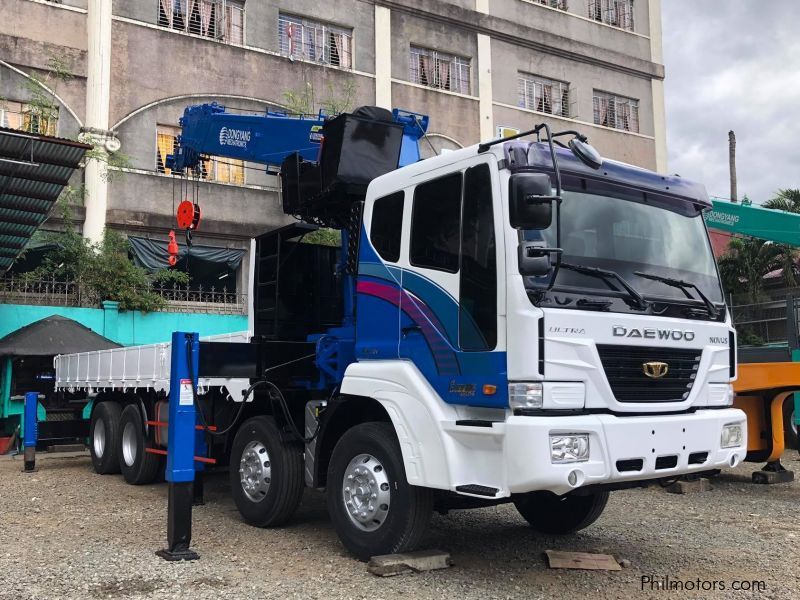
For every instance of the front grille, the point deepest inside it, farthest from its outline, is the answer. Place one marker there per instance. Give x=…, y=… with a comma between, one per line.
x=623, y=366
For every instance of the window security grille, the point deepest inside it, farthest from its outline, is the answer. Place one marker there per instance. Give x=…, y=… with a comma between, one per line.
x=543, y=95
x=224, y=170
x=440, y=70
x=617, y=112
x=314, y=41
x=27, y=117
x=221, y=20
x=618, y=13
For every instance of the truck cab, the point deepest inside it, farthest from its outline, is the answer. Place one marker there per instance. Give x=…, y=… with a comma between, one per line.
x=607, y=361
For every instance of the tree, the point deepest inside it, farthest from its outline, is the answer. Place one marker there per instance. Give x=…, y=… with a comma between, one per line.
x=104, y=271
x=787, y=200
x=746, y=263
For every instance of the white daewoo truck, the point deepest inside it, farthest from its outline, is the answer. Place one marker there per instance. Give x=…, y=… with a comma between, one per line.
x=515, y=321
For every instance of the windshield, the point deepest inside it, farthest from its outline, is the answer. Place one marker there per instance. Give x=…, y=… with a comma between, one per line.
x=625, y=236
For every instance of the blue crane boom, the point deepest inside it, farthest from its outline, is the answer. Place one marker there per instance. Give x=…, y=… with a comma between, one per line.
x=268, y=138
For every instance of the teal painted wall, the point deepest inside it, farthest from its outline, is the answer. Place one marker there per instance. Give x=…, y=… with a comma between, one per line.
x=124, y=327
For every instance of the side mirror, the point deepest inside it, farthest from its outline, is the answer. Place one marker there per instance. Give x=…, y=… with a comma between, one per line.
x=530, y=199
x=534, y=260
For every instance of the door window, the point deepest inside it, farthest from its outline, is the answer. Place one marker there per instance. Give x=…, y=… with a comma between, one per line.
x=436, y=224
x=387, y=222
x=477, y=318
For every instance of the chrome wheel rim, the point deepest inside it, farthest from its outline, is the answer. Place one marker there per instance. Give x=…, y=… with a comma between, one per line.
x=99, y=438
x=130, y=444
x=255, y=471
x=793, y=424
x=366, y=492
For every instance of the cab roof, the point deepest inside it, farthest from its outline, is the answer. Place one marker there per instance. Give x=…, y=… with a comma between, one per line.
x=674, y=192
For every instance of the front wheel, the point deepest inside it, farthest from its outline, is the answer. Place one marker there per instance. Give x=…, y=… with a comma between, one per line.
x=373, y=507
x=551, y=514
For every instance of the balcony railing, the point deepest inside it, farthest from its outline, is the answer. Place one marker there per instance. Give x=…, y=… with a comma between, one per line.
x=185, y=299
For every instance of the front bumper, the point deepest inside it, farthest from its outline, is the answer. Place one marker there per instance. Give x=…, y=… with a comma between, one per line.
x=526, y=448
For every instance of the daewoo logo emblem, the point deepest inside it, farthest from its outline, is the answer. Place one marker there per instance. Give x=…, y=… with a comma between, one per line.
x=655, y=370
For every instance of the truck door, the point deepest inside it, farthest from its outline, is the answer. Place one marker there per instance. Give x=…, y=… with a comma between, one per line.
x=449, y=321
x=378, y=286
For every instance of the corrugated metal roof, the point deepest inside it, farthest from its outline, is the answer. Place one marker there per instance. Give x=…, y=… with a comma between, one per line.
x=33, y=171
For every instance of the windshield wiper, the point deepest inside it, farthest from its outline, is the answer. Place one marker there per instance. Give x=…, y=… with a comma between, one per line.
x=635, y=299
x=683, y=286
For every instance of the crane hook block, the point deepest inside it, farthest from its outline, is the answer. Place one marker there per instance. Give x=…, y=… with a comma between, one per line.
x=172, y=249
x=188, y=215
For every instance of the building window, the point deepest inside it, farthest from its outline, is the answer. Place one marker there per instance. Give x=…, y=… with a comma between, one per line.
x=617, y=112
x=543, y=95
x=314, y=41
x=223, y=170
x=618, y=13
x=42, y=120
x=221, y=20
x=440, y=70
x=559, y=4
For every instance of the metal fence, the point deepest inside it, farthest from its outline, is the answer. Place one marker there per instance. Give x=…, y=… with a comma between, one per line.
x=767, y=322
x=187, y=299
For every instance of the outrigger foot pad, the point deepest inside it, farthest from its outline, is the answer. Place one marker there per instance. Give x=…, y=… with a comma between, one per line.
x=178, y=554
x=773, y=472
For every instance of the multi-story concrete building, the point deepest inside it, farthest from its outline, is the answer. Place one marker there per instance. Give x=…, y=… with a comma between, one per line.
x=474, y=66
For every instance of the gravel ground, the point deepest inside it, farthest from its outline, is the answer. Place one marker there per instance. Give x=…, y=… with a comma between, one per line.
x=69, y=533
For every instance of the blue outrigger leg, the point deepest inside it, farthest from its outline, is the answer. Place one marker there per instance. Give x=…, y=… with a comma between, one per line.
x=181, y=445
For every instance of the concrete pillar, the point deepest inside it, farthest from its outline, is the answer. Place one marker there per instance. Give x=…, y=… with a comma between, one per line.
x=659, y=110
x=485, y=107
x=383, y=57
x=98, y=97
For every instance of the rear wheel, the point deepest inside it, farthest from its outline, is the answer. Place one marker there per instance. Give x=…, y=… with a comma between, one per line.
x=266, y=473
x=373, y=507
x=551, y=514
x=138, y=467
x=104, y=437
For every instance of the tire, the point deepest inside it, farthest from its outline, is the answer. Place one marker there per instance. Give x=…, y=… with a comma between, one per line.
x=790, y=429
x=104, y=432
x=266, y=492
x=398, y=523
x=138, y=467
x=559, y=515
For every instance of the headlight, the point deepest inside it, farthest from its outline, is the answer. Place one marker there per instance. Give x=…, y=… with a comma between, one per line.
x=568, y=448
x=525, y=395
x=732, y=435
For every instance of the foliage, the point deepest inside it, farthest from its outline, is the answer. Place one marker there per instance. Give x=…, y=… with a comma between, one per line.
x=104, y=270
x=748, y=260
x=746, y=263
x=746, y=337
x=43, y=108
x=304, y=100
x=323, y=237
x=169, y=278
x=788, y=200
x=42, y=103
